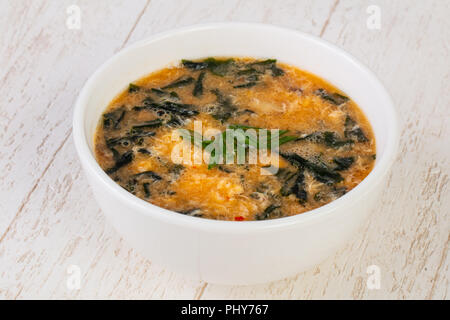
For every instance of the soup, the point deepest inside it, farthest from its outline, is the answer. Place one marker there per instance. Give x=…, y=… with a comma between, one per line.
x=320, y=141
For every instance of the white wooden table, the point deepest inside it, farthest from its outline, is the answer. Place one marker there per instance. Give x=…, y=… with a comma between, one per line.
x=49, y=220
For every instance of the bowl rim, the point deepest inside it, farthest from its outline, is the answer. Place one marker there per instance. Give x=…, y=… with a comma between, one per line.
x=89, y=163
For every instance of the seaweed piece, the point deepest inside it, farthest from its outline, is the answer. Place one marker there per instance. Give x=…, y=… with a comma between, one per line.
x=296, y=90
x=116, y=154
x=320, y=171
x=173, y=107
x=225, y=169
x=126, y=141
x=249, y=71
x=180, y=82
x=215, y=66
x=299, y=187
x=111, y=120
x=198, y=88
x=269, y=64
x=255, y=195
x=251, y=80
x=276, y=72
x=343, y=163
x=146, y=187
x=225, y=107
x=171, y=96
x=193, y=65
x=267, y=213
x=287, y=179
x=226, y=66
x=174, y=121
x=138, y=108
x=148, y=174
x=196, y=212
x=131, y=186
x=246, y=111
x=330, y=194
x=329, y=138
x=144, y=151
x=324, y=174
x=262, y=188
x=120, y=141
x=133, y=88
x=354, y=131
x=335, y=98
x=148, y=99
x=147, y=124
x=246, y=85
x=293, y=183
x=123, y=160
x=357, y=134
x=263, y=63
x=242, y=126
x=219, y=67
x=157, y=91
x=176, y=170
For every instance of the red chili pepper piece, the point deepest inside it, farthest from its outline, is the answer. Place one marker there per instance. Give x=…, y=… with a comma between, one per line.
x=239, y=218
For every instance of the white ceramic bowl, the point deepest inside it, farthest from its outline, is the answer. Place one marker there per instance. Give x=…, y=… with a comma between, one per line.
x=229, y=252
